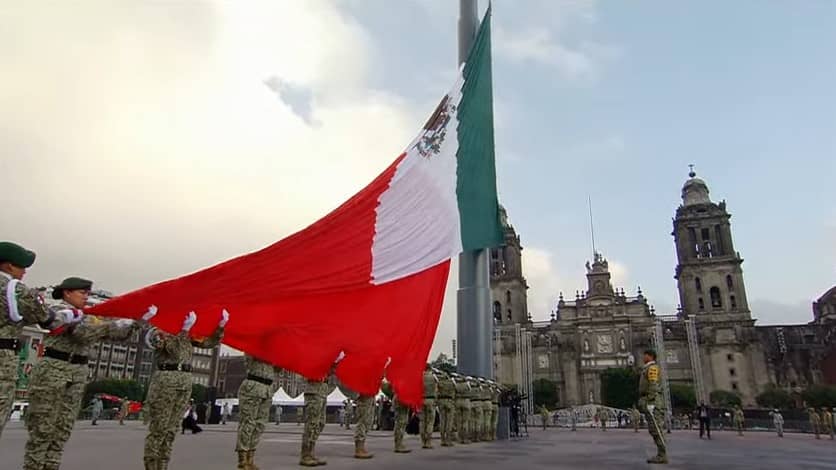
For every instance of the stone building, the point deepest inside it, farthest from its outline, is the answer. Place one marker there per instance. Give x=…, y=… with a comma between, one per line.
x=711, y=343
x=232, y=370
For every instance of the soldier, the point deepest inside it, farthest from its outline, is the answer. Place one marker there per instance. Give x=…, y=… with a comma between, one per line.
x=300, y=415
x=19, y=306
x=475, y=409
x=96, y=408
x=495, y=394
x=544, y=415
x=827, y=421
x=462, y=408
x=635, y=418
x=171, y=384
x=428, y=411
x=401, y=420
x=815, y=421
x=316, y=393
x=573, y=415
x=446, y=408
x=738, y=420
x=365, y=418
x=650, y=404
x=778, y=421
x=255, y=396
x=124, y=409
x=58, y=380
x=602, y=417
x=486, y=409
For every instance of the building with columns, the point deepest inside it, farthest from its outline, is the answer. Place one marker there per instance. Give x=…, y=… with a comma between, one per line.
x=711, y=343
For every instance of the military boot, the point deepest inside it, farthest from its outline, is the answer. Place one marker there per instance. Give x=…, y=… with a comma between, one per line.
x=242, y=460
x=660, y=458
x=250, y=460
x=307, y=459
x=319, y=462
x=401, y=449
x=360, y=450
x=150, y=463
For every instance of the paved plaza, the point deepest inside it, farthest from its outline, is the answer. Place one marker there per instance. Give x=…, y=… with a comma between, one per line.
x=110, y=446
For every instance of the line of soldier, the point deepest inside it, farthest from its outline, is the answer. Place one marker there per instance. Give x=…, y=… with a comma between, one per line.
x=58, y=380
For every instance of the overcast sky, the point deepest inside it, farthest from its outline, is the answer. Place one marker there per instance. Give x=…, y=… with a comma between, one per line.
x=145, y=140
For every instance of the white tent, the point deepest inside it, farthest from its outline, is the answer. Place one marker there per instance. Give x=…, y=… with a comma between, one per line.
x=281, y=398
x=336, y=398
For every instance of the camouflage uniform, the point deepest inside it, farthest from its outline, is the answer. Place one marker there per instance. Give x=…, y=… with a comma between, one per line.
x=30, y=310
x=365, y=417
x=446, y=408
x=738, y=420
x=815, y=422
x=650, y=404
x=255, y=396
x=428, y=411
x=300, y=415
x=315, y=395
x=475, y=410
x=401, y=419
x=57, y=385
x=495, y=392
x=486, y=412
x=827, y=422
x=544, y=415
x=636, y=419
x=463, y=410
x=169, y=390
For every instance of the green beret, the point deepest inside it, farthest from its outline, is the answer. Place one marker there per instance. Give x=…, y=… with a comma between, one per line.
x=70, y=283
x=16, y=254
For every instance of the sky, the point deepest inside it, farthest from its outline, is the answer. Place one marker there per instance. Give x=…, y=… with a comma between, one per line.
x=146, y=140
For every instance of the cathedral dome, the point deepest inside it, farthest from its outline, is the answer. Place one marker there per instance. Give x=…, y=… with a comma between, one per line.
x=695, y=191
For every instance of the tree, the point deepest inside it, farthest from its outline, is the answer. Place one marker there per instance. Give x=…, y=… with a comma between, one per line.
x=774, y=397
x=620, y=387
x=443, y=363
x=117, y=387
x=199, y=393
x=545, y=393
x=724, y=398
x=820, y=395
x=683, y=397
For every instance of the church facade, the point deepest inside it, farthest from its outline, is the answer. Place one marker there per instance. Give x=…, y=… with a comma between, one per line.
x=712, y=342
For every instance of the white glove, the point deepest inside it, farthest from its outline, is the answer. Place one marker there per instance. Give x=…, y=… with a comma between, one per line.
x=123, y=322
x=189, y=322
x=152, y=310
x=650, y=408
x=224, y=319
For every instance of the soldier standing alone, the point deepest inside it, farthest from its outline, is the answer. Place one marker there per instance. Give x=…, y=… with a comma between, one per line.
x=778, y=421
x=739, y=420
x=428, y=411
x=58, y=380
x=649, y=404
x=19, y=306
x=255, y=396
x=171, y=384
x=827, y=421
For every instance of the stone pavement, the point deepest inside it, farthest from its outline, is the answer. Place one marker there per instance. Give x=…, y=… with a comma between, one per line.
x=110, y=446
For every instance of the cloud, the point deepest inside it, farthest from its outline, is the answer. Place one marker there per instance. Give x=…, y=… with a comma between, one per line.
x=544, y=279
x=769, y=312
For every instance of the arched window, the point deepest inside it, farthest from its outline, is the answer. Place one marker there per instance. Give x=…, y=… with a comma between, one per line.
x=733, y=301
x=510, y=317
x=508, y=296
x=497, y=311
x=698, y=284
x=716, y=301
x=729, y=282
x=702, y=304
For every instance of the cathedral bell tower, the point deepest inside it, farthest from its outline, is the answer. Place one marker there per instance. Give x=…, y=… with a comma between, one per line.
x=709, y=272
x=508, y=286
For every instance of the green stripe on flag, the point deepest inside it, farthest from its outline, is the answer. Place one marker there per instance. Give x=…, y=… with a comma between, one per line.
x=476, y=169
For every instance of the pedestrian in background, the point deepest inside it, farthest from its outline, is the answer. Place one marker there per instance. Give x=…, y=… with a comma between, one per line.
x=778, y=421
x=704, y=416
x=96, y=408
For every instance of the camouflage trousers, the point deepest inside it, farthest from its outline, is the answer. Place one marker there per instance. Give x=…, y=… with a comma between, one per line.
x=55, y=392
x=475, y=420
x=314, y=418
x=494, y=420
x=427, y=421
x=401, y=419
x=254, y=402
x=447, y=411
x=463, y=419
x=168, y=395
x=654, y=427
x=8, y=380
x=365, y=416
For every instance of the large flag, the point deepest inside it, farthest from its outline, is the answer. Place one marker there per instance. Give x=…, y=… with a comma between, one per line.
x=368, y=279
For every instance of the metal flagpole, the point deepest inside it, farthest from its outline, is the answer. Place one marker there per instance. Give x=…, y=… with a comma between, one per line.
x=474, y=321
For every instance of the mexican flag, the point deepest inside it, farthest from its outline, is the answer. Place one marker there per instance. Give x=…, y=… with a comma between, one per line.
x=368, y=279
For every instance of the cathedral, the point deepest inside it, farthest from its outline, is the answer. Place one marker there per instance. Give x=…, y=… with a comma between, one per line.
x=711, y=343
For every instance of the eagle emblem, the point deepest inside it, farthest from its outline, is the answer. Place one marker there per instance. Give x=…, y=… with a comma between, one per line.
x=435, y=130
